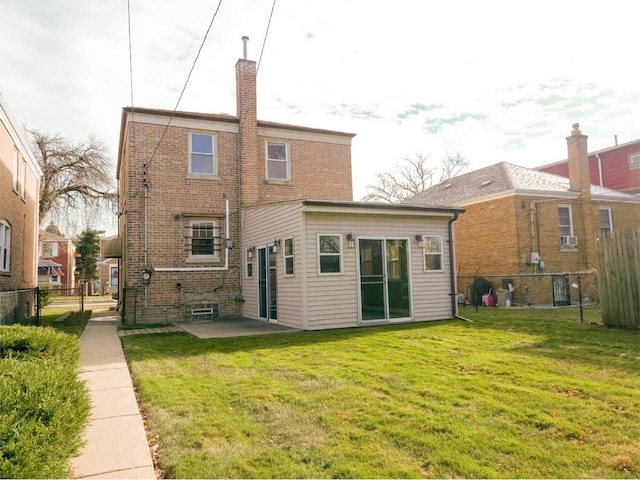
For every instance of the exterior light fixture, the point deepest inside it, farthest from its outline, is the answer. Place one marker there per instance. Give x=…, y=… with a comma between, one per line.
x=351, y=239
x=250, y=251
x=420, y=240
x=276, y=244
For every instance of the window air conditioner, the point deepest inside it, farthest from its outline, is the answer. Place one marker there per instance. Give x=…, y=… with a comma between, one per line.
x=568, y=241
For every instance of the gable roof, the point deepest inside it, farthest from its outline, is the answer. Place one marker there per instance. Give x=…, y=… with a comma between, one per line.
x=503, y=179
x=51, y=237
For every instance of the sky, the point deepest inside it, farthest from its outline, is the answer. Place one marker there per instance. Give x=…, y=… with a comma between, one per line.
x=492, y=80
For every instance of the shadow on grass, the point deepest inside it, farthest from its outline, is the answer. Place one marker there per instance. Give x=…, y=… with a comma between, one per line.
x=563, y=340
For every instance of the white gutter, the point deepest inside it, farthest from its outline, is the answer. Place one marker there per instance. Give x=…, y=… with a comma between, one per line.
x=207, y=269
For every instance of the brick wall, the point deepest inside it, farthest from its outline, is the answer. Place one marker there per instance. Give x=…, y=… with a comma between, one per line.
x=22, y=216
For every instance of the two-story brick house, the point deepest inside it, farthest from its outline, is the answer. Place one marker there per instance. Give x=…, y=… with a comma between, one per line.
x=226, y=215
x=19, y=198
x=616, y=167
x=519, y=220
x=57, y=262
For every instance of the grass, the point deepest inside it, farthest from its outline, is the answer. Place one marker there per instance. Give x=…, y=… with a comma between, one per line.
x=73, y=324
x=500, y=398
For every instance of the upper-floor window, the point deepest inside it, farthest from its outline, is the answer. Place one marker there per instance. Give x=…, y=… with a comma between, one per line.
x=329, y=254
x=606, y=221
x=49, y=249
x=202, y=154
x=432, y=253
x=5, y=246
x=288, y=256
x=202, y=239
x=634, y=161
x=23, y=178
x=16, y=171
x=277, y=160
x=565, y=220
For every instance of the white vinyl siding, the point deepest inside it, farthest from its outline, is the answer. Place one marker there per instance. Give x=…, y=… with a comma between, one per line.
x=333, y=300
x=262, y=226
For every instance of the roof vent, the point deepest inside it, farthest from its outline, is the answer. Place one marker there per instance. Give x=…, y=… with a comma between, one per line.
x=487, y=182
x=448, y=185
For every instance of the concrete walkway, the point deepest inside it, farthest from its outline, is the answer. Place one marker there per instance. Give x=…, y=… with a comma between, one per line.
x=116, y=442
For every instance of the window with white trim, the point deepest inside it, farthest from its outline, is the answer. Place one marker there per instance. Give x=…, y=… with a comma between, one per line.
x=202, y=159
x=606, y=221
x=23, y=178
x=250, y=252
x=15, y=171
x=432, y=253
x=203, y=239
x=565, y=220
x=113, y=275
x=634, y=161
x=49, y=249
x=277, y=160
x=288, y=256
x=5, y=246
x=330, y=254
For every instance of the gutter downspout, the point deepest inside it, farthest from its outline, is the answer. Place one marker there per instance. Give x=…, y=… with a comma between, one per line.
x=454, y=296
x=600, y=169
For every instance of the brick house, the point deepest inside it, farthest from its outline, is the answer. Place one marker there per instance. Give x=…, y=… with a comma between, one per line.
x=215, y=221
x=19, y=199
x=58, y=250
x=108, y=267
x=519, y=220
x=617, y=167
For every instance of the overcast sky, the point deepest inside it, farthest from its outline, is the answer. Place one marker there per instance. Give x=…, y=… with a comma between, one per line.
x=492, y=80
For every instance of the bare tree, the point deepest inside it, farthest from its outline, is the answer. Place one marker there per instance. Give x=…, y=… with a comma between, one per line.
x=412, y=176
x=452, y=165
x=76, y=178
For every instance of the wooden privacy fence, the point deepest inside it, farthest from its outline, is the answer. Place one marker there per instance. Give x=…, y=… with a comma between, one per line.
x=619, y=272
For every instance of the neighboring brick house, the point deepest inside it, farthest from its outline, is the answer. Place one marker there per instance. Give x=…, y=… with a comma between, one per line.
x=109, y=268
x=519, y=220
x=59, y=250
x=214, y=223
x=617, y=167
x=19, y=199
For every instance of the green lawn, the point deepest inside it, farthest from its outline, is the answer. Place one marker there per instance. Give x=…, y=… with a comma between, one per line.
x=496, y=398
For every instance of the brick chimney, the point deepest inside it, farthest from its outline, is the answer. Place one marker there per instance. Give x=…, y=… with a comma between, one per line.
x=585, y=215
x=246, y=101
x=578, y=162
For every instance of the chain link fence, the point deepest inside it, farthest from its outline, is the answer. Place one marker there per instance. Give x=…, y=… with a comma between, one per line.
x=573, y=295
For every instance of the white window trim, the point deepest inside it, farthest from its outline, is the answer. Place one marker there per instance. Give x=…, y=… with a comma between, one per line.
x=292, y=256
x=327, y=254
x=634, y=161
x=23, y=178
x=425, y=253
x=267, y=160
x=15, y=171
x=571, y=234
x=111, y=269
x=203, y=258
x=213, y=154
x=610, y=215
x=249, y=261
x=5, y=247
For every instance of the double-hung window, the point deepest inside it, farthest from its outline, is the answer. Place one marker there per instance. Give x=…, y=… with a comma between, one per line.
x=565, y=226
x=5, y=246
x=634, y=161
x=202, y=159
x=432, y=253
x=49, y=249
x=288, y=256
x=277, y=161
x=330, y=254
x=202, y=239
x=16, y=171
x=606, y=221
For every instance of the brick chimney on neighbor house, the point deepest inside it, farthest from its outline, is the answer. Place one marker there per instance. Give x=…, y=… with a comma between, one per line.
x=585, y=217
x=578, y=161
x=246, y=101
